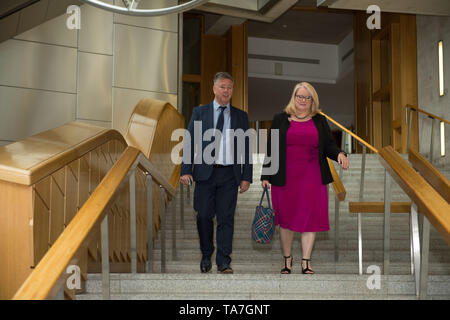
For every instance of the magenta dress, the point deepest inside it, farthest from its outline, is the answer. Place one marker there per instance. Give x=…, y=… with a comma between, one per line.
x=301, y=205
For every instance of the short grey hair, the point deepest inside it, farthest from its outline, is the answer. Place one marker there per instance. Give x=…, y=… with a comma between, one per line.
x=222, y=75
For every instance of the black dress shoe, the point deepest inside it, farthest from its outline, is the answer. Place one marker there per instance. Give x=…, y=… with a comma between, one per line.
x=205, y=265
x=225, y=268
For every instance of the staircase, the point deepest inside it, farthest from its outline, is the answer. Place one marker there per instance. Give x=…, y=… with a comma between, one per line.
x=256, y=267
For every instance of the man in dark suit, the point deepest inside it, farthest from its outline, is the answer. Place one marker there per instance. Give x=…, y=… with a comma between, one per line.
x=218, y=171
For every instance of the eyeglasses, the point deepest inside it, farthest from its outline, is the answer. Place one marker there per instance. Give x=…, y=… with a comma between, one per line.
x=307, y=98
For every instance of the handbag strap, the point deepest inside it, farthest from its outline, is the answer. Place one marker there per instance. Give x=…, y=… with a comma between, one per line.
x=266, y=191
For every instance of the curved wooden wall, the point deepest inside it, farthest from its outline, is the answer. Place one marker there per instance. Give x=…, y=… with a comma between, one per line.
x=44, y=180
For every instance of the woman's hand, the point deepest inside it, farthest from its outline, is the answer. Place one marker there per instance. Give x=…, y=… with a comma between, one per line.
x=186, y=179
x=343, y=161
x=265, y=183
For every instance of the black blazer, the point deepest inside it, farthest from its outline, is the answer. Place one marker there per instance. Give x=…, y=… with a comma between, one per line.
x=201, y=171
x=327, y=148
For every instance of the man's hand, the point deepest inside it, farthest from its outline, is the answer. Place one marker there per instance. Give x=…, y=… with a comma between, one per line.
x=244, y=186
x=185, y=179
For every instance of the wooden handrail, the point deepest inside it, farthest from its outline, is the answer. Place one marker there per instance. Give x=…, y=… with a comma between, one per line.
x=378, y=207
x=430, y=173
x=427, y=199
x=42, y=280
x=427, y=113
x=29, y=160
x=368, y=145
x=337, y=185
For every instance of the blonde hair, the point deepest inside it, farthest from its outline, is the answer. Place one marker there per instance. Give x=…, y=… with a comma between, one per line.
x=290, y=108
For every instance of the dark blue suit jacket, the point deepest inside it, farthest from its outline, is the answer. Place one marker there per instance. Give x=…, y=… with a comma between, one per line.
x=202, y=171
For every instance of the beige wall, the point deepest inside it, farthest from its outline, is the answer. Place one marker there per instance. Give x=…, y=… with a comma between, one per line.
x=431, y=29
x=51, y=75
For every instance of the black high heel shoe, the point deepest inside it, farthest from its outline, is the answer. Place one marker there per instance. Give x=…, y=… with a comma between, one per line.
x=286, y=270
x=307, y=270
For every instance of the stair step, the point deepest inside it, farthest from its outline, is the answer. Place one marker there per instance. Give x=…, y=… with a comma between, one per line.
x=325, y=267
x=268, y=285
x=319, y=256
x=250, y=296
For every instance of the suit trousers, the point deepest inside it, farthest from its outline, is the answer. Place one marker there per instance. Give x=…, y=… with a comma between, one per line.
x=217, y=197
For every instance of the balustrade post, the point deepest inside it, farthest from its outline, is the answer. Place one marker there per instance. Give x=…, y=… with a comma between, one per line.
x=181, y=206
x=387, y=221
x=415, y=246
x=424, y=258
x=163, y=230
x=133, y=250
x=60, y=294
x=104, y=231
x=432, y=140
x=174, y=228
x=257, y=136
x=361, y=197
x=336, y=231
x=149, y=185
x=409, y=113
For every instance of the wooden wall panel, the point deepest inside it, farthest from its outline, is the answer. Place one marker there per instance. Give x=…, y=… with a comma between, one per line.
x=57, y=205
x=371, y=89
x=94, y=170
x=237, y=64
x=214, y=59
x=396, y=88
x=41, y=218
x=71, y=191
x=16, y=213
x=363, y=82
x=408, y=77
x=83, y=180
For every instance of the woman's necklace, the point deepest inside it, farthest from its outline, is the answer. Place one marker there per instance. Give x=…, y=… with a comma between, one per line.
x=301, y=118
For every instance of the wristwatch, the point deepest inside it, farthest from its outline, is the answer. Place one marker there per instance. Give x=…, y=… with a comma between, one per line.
x=345, y=153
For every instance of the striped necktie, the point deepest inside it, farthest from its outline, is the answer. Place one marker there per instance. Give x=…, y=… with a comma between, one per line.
x=220, y=121
x=219, y=126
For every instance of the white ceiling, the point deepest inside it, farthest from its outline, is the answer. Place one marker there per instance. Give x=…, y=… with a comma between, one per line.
x=305, y=26
x=425, y=7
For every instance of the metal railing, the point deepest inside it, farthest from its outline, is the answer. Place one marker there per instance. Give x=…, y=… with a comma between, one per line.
x=345, y=136
x=419, y=248
x=424, y=198
x=410, y=109
x=164, y=189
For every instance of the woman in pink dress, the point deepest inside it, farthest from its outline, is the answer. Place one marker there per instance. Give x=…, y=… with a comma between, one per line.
x=299, y=192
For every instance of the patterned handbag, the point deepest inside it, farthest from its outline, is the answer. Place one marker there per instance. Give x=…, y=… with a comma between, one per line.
x=264, y=222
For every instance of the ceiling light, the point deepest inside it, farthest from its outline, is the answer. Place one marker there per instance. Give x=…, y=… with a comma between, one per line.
x=442, y=139
x=441, y=68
